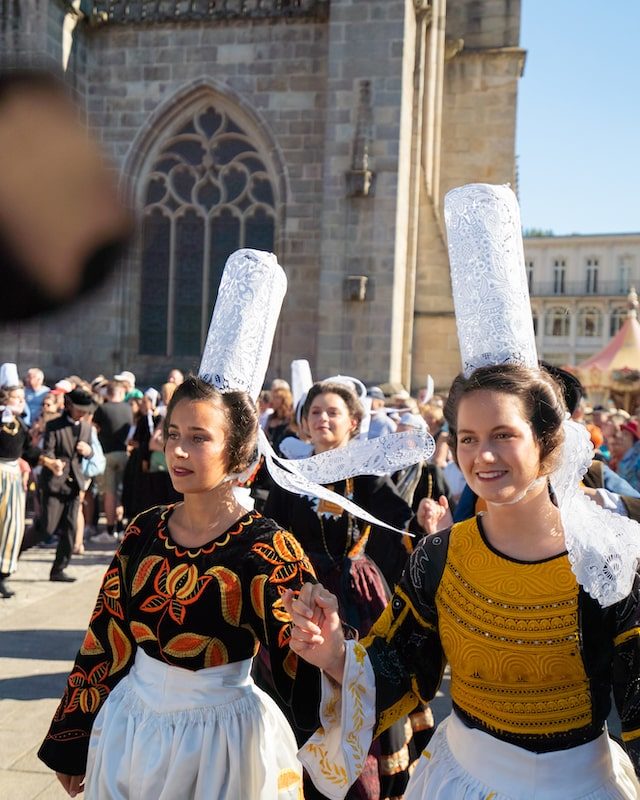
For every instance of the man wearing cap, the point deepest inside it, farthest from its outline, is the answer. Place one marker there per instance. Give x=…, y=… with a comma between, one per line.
x=67, y=438
x=381, y=423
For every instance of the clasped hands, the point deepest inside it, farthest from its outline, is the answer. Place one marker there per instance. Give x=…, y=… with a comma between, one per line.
x=316, y=631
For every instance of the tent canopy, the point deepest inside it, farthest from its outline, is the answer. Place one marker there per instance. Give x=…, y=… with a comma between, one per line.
x=622, y=352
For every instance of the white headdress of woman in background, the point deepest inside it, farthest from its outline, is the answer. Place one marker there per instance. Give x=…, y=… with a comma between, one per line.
x=236, y=357
x=495, y=326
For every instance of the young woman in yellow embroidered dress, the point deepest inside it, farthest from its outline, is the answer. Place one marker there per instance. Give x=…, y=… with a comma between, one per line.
x=160, y=702
x=533, y=657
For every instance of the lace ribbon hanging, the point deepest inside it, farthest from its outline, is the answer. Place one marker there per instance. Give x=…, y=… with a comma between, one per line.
x=603, y=546
x=376, y=457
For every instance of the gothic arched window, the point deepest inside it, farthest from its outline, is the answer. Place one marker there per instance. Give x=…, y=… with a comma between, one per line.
x=208, y=192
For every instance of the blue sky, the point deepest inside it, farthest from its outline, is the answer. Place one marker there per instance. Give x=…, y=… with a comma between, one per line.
x=578, y=128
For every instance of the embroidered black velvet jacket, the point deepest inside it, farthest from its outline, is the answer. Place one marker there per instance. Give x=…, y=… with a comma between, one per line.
x=190, y=607
x=533, y=657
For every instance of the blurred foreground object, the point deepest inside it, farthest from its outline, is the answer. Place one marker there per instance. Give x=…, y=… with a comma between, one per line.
x=62, y=226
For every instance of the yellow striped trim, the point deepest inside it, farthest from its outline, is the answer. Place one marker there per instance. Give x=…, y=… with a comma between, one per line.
x=426, y=754
x=629, y=736
x=490, y=796
x=623, y=637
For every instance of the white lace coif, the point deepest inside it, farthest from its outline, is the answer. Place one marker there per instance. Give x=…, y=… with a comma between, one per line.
x=488, y=277
x=238, y=347
x=236, y=357
x=493, y=317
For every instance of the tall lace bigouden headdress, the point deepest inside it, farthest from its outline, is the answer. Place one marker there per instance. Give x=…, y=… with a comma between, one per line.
x=236, y=357
x=494, y=322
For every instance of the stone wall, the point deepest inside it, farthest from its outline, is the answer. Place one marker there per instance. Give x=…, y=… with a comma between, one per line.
x=297, y=84
x=274, y=72
x=477, y=145
x=366, y=235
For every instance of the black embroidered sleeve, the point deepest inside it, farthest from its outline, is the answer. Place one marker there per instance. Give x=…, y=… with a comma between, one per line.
x=404, y=645
x=626, y=671
x=104, y=658
x=276, y=563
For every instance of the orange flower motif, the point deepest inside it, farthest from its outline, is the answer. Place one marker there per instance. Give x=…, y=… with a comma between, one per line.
x=109, y=596
x=87, y=691
x=288, y=558
x=176, y=589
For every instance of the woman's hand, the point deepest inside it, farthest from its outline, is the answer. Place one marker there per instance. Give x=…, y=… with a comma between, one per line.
x=316, y=631
x=73, y=784
x=434, y=516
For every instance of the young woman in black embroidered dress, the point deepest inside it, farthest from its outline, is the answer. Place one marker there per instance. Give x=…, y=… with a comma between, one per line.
x=533, y=657
x=160, y=701
x=357, y=563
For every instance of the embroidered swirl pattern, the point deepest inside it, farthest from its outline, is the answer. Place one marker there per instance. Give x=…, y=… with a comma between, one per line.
x=511, y=637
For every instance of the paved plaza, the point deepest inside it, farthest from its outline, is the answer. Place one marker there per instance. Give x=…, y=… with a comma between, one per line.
x=41, y=629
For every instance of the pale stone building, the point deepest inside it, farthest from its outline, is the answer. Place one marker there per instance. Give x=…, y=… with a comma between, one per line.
x=326, y=130
x=579, y=286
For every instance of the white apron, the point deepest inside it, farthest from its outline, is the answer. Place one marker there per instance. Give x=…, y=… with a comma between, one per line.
x=459, y=763
x=169, y=733
x=463, y=763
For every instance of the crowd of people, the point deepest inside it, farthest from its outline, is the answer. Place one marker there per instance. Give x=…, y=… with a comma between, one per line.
x=73, y=451
x=290, y=591
x=121, y=430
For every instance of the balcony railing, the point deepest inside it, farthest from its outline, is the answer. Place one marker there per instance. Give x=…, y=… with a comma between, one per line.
x=578, y=288
x=101, y=12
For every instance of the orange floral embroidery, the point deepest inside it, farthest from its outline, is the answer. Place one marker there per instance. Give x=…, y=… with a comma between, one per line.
x=186, y=645
x=216, y=654
x=109, y=596
x=91, y=644
x=121, y=648
x=143, y=572
x=87, y=691
x=230, y=593
x=132, y=530
x=141, y=632
x=176, y=589
x=257, y=594
x=287, y=556
x=290, y=664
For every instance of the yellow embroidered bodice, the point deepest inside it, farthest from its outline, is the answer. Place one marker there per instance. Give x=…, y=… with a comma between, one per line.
x=510, y=633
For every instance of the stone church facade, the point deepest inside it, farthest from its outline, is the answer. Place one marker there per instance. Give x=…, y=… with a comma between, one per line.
x=327, y=131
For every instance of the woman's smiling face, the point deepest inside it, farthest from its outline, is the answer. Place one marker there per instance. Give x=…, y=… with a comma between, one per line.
x=496, y=448
x=330, y=423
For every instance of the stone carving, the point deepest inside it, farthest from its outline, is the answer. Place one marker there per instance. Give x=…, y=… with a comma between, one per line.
x=120, y=11
x=361, y=178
